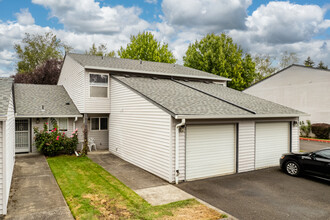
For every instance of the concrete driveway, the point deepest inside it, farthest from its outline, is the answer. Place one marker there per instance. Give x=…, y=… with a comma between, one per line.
x=265, y=194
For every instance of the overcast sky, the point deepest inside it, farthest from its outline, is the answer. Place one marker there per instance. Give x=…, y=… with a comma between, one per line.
x=260, y=27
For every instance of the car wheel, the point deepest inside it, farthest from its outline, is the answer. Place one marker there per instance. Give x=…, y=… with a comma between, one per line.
x=292, y=168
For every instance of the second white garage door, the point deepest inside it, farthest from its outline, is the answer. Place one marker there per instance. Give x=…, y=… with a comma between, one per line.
x=210, y=150
x=272, y=140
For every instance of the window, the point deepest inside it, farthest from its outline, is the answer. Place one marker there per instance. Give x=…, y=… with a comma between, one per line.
x=323, y=154
x=98, y=85
x=62, y=123
x=99, y=124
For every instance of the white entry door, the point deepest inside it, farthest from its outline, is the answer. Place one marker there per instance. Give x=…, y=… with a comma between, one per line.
x=22, y=135
x=272, y=140
x=210, y=150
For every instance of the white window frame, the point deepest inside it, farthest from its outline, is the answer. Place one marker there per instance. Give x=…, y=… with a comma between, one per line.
x=58, y=124
x=99, y=124
x=89, y=85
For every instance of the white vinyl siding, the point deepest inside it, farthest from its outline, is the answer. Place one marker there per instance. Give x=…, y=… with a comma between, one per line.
x=72, y=77
x=139, y=132
x=2, y=139
x=210, y=150
x=295, y=139
x=96, y=104
x=272, y=140
x=9, y=153
x=246, y=134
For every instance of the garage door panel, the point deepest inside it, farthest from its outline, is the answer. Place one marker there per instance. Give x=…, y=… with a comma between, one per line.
x=210, y=150
x=272, y=140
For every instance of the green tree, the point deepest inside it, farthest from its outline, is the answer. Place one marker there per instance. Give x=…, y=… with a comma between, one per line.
x=144, y=46
x=264, y=66
x=221, y=56
x=37, y=49
x=309, y=62
x=287, y=59
x=322, y=66
x=101, y=50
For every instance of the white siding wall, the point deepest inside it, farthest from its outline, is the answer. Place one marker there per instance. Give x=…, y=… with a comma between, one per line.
x=182, y=152
x=9, y=153
x=246, y=149
x=2, y=139
x=140, y=132
x=96, y=104
x=295, y=139
x=73, y=79
x=40, y=126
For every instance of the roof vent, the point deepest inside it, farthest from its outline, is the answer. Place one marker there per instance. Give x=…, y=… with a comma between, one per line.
x=68, y=103
x=207, y=82
x=42, y=108
x=140, y=61
x=127, y=76
x=174, y=65
x=154, y=78
x=102, y=57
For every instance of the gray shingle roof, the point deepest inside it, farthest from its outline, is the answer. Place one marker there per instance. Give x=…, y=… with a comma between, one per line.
x=29, y=99
x=5, y=91
x=202, y=99
x=136, y=66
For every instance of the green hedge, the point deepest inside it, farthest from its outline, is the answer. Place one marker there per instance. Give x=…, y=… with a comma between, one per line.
x=321, y=130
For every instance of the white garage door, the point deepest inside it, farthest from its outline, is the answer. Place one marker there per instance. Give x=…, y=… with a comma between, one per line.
x=210, y=150
x=272, y=140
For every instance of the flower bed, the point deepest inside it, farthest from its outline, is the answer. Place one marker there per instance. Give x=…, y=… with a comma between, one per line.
x=54, y=142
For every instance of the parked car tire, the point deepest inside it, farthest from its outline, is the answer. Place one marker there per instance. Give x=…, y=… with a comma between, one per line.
x=292, y=168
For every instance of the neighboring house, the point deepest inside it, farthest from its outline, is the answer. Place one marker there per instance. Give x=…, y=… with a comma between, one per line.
x=39, y=104
x=7, y=141
x=176, y=122
x=304, y=88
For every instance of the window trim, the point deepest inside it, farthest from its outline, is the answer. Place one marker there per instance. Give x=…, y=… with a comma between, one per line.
x=57, y=119
x=103, y=86
x=99, y=124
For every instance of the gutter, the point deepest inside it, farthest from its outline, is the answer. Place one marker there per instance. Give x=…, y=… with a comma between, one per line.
x=177, y=133
x=48, y=116
x=3, y=117
x=238, y=116
x=155, y=73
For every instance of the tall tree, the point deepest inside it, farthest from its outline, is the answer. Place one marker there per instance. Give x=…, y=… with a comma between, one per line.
x=144, y=46
x=264, y=66
x=101, y=50
x=322, y=66
x=287, y=59
x=221, y=56
x=46, y=73
x=37, y=49
x=309, y=62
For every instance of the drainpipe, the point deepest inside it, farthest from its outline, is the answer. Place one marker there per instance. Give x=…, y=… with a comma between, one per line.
x=74, y=123
x=177, y=131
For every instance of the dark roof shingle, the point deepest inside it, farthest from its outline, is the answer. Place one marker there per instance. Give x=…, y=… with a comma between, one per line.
x=29, y=99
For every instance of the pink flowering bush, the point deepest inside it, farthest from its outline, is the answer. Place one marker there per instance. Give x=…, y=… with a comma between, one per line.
x=55, y=142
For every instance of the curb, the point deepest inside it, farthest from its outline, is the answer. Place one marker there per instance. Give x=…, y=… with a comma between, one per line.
x=316, y=140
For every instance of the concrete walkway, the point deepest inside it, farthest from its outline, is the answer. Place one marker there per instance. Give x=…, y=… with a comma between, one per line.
x=153, y=189
x=34, y=192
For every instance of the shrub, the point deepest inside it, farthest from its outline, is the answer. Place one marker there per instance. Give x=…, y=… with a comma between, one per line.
x=54, y=142
x=305, y=130
x=321, y=130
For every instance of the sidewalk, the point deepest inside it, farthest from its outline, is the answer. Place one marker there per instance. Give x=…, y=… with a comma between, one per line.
x=153, y=189
x=34, y=193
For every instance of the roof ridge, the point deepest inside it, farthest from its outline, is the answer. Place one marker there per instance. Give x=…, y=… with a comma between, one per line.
x=221, y=99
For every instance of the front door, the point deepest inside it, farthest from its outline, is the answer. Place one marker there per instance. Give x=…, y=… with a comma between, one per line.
x=22, y=136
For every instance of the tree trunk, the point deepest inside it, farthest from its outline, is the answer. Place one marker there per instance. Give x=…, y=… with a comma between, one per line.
x=85, y=146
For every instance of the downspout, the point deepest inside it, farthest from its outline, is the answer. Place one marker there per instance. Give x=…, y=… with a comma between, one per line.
x=74, y=123
x=177, y=133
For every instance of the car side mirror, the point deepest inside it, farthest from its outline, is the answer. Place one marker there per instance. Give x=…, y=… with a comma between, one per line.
x=312, y=155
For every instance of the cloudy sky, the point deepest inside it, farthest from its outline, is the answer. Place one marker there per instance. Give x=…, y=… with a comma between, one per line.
x=260, y=27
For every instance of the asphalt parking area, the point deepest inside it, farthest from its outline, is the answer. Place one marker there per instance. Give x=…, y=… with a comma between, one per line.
x=265, y=194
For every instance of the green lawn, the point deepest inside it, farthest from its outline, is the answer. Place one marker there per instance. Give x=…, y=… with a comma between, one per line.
x=92, y=193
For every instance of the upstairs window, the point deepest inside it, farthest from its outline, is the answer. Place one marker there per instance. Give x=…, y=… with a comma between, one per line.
x=98, y=84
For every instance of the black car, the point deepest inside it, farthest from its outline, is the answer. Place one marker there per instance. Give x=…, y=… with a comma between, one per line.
x=316, y=163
